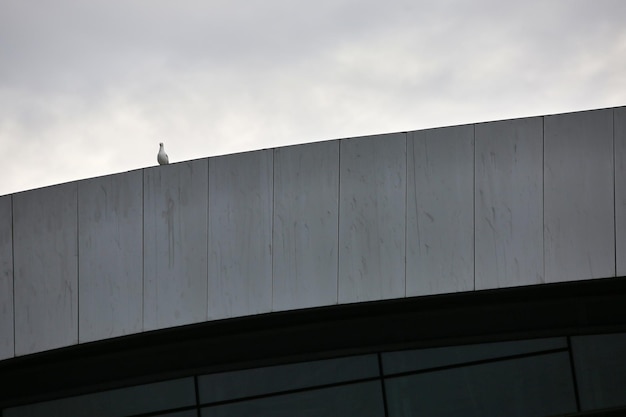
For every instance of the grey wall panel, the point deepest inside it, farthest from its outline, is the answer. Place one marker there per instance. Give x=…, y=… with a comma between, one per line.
x=110, y=265
x=579, y=238
x=620, y=189
x=46, y=268
x=175, y=244
x=7, y=346
x=240, y=234
x=509, y=203
x=372, y=216
x=306, y=214
x=440, y=211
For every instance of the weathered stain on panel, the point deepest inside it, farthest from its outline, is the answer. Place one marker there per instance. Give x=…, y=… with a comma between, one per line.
x=372, y=215
x=440, y=212
x=46, y=268
x=306, y=214
x=110, y=265
x=579, y=229
x=175, y=244
x=240, y=234
x=509, y=203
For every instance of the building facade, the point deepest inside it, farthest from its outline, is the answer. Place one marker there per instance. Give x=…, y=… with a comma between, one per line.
x=466, y=270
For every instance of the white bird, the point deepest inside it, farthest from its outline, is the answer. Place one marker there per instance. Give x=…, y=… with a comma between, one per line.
x=162, y=158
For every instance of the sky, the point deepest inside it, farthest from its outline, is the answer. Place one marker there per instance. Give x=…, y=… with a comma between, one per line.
x=90, y=87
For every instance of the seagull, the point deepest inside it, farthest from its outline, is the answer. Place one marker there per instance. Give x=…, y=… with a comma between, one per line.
x=162, y=156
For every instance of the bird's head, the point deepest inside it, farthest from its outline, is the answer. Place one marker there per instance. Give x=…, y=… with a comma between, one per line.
x=161, y=144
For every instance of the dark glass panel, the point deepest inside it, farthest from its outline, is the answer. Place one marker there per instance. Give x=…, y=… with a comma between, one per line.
x=414, y=360
x=534, y=386
x=600, y=363
x=115, y=403
x=353, y=400
x=186, y=413
x=250, y=382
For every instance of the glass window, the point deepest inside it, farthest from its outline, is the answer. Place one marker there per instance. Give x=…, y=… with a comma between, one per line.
x=115, y=403
x=246, y=383
x=188, y=413
x=415, y=360
x=353, y=400
x=531, y=386
x=600, y=363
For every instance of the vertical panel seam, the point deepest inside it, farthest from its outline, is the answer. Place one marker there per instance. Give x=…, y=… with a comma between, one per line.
x=77, y=270
x=572, y=364
x=338, y=214
x=406, y=202
x=208, y=236
x=543, y=194
x=382, y=383
x=474, y=199
x=197, y=395
x=614, y=198
x=272, y=214
x=13, y=270
x=143, y=248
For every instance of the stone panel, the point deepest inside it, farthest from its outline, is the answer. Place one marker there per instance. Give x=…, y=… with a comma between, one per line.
x=440, y=211
x=175, y=244
x=110, y=265
x=306, y=215
x=579, y=232
x=372, y=218
x=509, y=203
x=46, y=268
x=240, y=234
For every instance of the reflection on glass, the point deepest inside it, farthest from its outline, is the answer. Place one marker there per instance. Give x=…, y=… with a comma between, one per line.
x=414, y=360
x=115, y=403
x=533, y=386
x=426, y=382
x=600, y=362
x=230, y=385
x=188, y=413
x=355, y=400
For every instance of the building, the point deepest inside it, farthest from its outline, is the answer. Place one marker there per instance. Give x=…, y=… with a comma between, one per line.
x=473, y=270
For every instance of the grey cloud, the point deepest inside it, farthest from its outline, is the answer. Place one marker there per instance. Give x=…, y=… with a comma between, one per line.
x=209, y=77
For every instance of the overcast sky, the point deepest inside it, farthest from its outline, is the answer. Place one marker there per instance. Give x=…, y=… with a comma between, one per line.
x=90, y=87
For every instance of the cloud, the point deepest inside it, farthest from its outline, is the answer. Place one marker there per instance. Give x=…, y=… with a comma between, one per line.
x=91, y=88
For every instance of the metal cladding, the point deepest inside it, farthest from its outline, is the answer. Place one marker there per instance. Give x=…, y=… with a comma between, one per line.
x=454, y=209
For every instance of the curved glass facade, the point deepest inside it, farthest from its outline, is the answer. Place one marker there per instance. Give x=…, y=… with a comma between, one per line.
x=535, y=377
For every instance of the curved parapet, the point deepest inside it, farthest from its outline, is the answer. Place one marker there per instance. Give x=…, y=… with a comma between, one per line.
x=456, y=209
